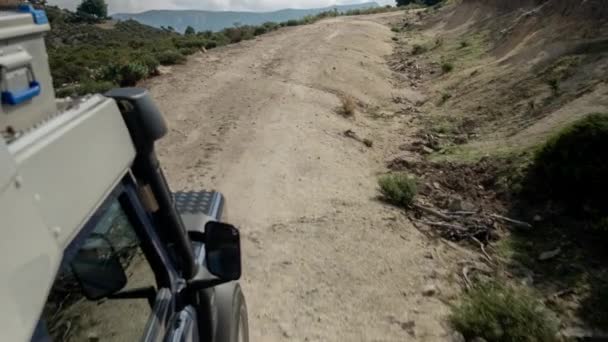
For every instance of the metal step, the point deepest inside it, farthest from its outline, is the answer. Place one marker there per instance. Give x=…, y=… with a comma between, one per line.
x=209, y=203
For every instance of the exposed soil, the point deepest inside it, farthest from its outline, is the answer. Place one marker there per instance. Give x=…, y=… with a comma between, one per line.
x=324, y=260
x=266, y=123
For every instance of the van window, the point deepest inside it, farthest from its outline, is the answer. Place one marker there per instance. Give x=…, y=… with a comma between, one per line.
x=70, y=316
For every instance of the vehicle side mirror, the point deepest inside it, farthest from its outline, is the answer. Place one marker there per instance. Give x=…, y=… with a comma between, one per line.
x=223, y=250
x=97, y=268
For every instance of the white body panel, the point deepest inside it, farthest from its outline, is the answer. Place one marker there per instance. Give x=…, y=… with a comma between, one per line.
x=52, y=179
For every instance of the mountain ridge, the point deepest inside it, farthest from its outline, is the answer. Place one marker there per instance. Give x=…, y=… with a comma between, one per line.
x=202, y=20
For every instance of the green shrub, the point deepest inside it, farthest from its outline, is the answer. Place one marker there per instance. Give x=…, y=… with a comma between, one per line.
x=398, y=188
x=499, y=313
x=188, y=51
x=150, y=62
x=170, y=57
x=395, y=29
x=211, y=45
x=89, y=87
x=131, y=73
x=270, y=26
x=447, y=67
x=418, y=49
x=554, y=85
x=292, y=22
x=572, y=168
x=259, y=30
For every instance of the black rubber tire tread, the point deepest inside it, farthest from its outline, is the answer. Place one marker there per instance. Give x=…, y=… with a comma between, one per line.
x=231, y=310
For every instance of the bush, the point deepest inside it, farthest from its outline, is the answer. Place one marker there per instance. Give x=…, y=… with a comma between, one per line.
x=398, y=188
x=90, y=87
x=187, y=51
x=131, y=73
x=418, y=49
x=170, y=57
x=270, y=26
x=499, y=313
x=292, y=22
x=150, y=62
x=571, y=167
x=259, y=30
x=447, y=67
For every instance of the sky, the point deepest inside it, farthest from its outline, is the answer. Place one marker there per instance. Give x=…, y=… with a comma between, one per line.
x=132, y=6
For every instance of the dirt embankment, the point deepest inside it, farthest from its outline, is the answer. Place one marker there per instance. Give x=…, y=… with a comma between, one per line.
x=500, y=77
x=521, y=69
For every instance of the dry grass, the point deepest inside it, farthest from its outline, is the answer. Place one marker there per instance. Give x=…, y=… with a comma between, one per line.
x=348, y=106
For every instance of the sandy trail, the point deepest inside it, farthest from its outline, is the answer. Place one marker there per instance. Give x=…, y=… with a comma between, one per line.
x=324, y=260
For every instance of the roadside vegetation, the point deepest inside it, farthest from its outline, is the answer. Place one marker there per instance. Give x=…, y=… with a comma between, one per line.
x=90, y=53
x=501, y=313
x=504, y=169
x=398, y=188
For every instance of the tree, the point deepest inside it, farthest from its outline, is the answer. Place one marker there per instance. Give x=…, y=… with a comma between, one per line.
x=403, y=2
x=95, y=8
x=421, y=2
x=189, y=30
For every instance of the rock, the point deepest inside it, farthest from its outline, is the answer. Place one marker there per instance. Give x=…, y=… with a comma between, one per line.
x=461, y=139
x=436, y=185
x=457, y=337
x=428, y=255
x=549, y=254
x=429, y=290
x=285, y=330
x=584, y=333
x=537, y=218
x=401, y=161
x=426, y=150
x=92, y=337
x=409, y=327
x=457, y=204
x=425, y=189
x=528, y=280
x=479, y=339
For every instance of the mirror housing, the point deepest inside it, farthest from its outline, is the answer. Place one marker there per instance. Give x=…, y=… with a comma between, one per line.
x=223, y=250
x=97, y=268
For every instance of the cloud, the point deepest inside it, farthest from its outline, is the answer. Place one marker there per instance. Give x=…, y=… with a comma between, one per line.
x=133, y=6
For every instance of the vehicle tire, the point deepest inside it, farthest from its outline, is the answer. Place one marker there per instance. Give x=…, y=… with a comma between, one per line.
x=232, y=324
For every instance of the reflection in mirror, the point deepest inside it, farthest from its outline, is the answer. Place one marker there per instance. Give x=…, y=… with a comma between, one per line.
x=223, y=248
x=98, y=269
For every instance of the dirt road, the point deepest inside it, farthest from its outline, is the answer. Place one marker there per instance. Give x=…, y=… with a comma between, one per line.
x=324, y=260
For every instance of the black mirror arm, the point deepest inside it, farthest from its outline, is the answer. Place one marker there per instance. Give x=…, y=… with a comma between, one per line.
x=147, y=292
x=204, y=280
x=196, y=236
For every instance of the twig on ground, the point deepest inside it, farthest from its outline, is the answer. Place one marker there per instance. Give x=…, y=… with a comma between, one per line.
x=512, y=221
x=483, y=250
x=444, y=225
x=432, y=212
x=563, y=293
x=462, y=213
x=68, y=325
x=465, y=276
x=349, y=133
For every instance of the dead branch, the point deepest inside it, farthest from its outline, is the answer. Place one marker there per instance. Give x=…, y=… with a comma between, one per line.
x=349, y=133
x=432, y=212
x=483, y=250
x=465, y=276
x=444, y=225
x=512, y=221
x=462, y=213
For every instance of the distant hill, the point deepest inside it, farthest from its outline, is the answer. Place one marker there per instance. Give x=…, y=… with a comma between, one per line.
x=215, y=21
